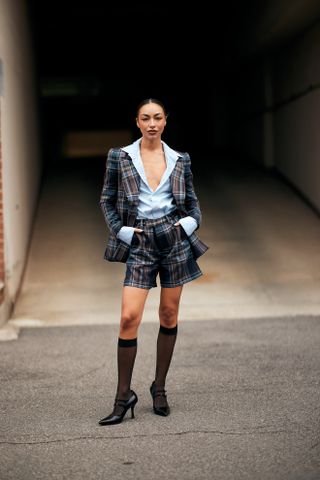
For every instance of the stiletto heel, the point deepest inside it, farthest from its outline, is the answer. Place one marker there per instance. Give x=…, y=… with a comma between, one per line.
x=114, y=417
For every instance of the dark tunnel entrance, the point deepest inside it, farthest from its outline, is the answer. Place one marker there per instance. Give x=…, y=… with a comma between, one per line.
x=217, y=69
x=241, y=87
x=97, y=61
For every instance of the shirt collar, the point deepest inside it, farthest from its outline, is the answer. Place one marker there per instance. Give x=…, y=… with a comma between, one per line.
x=171, y=155
x=134, y=151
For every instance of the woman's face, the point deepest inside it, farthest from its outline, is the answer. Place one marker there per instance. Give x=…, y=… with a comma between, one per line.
x=151, y=120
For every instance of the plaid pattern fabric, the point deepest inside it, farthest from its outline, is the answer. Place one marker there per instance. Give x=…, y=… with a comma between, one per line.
x=120, y=197
x=162, y=248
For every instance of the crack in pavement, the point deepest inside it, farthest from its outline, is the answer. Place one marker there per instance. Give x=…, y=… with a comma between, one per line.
x=315, y=445
x=119, y=437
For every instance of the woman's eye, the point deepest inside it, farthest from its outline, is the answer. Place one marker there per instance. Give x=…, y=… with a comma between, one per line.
x=146, y=119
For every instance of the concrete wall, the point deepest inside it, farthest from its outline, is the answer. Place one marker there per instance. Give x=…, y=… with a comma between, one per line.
x=20, y=151
x=297, y=118
x=274, y=111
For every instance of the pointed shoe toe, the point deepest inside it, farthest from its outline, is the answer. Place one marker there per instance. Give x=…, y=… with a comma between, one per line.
x=115, y=418
x=163, y=411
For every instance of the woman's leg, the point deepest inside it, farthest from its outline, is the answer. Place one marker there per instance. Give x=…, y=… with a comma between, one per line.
x=168, y=314
x=133, y=301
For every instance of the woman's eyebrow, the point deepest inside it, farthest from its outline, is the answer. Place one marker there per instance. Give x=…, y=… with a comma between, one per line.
x=147, y=114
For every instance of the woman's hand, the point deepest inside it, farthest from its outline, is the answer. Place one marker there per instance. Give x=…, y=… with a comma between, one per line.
x=138, y=230
x=176, y=224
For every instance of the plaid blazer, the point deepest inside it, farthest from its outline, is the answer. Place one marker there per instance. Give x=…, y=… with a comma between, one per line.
x=120, y=197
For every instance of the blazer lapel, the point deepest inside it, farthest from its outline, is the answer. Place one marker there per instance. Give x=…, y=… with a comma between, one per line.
x=131, y=176
x=130, y=179
x=177, y=182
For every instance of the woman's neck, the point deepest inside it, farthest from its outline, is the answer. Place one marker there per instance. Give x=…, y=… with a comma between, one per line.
x=151, y=145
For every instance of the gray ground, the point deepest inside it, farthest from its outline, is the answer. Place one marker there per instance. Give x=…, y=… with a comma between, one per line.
x=244, y=397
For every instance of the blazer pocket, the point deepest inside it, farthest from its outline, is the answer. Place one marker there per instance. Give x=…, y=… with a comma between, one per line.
x=117, y=252
x=198, y=247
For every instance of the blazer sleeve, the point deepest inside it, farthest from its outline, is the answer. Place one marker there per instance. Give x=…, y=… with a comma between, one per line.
x=109, y=194
x=191, y=202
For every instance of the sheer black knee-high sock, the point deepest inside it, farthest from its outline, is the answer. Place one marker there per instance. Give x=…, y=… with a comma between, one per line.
x=127, y=350
x=165, y=346
x=126, y=354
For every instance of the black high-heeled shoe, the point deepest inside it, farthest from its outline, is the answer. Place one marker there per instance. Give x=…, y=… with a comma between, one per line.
x=114, y=418
x=164, y=410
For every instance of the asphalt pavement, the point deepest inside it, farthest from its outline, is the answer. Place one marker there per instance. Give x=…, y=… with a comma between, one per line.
x=244, y=397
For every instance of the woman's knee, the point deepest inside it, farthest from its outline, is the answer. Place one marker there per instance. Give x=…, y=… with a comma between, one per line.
x=129, y=321
x=168, y=315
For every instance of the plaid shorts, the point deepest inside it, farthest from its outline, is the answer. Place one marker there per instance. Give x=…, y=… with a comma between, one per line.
x=161, y=248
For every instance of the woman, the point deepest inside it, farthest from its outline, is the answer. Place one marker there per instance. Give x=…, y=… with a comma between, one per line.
x=152, y=211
